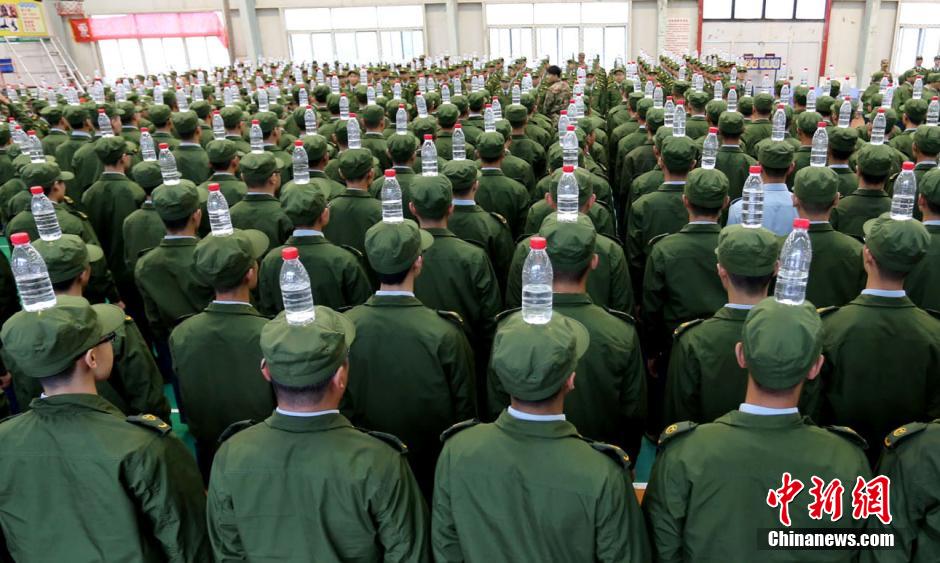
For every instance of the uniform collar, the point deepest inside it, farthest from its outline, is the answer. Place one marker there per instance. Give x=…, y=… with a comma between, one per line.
x=519, y=415
x=766, y=411
x=403, y=170
x=820, y=227
x=867, y=192
x=776, y=188
x=112, y=176
x=326, y=421
x=279, y=410
x=748, y=420
x=440, y=232
x=463, y=203
x=379, y=300
x=355, y=192
x=671, y=187
x=306, y=233
x=223, y=176
x=491, y=172
x=179, y=241
x=258, y=196
x=893, y=293
x=869, y=300
x=232, y=309
x=729, y=148
x=732, y=312
x=572, y=299
x=73, y=401
x=700, y=228
x=550, y=429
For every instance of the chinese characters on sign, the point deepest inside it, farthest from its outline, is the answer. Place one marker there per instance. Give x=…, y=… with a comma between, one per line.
x=869, y=498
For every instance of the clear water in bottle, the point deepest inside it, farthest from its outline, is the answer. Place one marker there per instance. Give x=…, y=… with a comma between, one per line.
x=710, y=149
x=44, y=215
x=905, y=192
x=458, y=144
x=31, y=275
x=218, y=125
x=669, y=111
x=752, y=199
x=422, y=105
x=811, y=100
x=428, y=157
x=719, y=89
x=104, y=124
x=779, y=124
x=678, y=122
x=299, y=160
x=262, y=96
x=918, y=90
x=219, y=219
x=256, y=137
x=537, y=277
x=563, y=122
x=569, y=148
x=845, y=112
x=567, y=195
x=732, y=99
x=497, y=108
x=295, y=289
x=353, y=132
x=391, y=199
x=303, y=98
x=795, y=259
x=933, y=111
x=489, y=119
x=878, y=128
x=35, y=147
x=310, y=121
x=657, y=98
x=516, y=94
x=343, y=107
x=401, y=120
x=147, y=150
x=819, y=150
x=168, y=170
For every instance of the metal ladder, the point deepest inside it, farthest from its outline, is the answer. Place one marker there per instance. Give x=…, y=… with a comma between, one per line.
x=52, y=56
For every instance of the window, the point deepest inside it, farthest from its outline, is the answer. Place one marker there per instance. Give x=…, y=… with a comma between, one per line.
x=130, y=57
x=764, y=9
x=918, y=34
x=365, y=34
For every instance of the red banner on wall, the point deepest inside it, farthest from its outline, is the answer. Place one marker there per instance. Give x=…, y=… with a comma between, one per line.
x=81, y=30
x=144, y=26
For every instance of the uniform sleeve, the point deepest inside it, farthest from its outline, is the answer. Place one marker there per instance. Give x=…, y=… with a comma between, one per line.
x=654, y=297
x=683, y=401
x=502, y=252
x=665, y=506
x=633, y=399
x=223, y=524
x=456, y=358
x=356, y=286
x=268, y=287
x=514, y=279
x=621, y=284
x=488, y=298
x=140, y=375
x=401, y=516
x=151, y=310
x=635, y=244
x=444, y=540
x=621, y=533
x=164, y=481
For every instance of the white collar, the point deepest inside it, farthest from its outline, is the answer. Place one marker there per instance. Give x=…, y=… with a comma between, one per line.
x=176, y=237
x=932, y=222
x=897, y=293
x=741, y=306
x=307, y=233
x=467, y=202
x=390, y=293
x=766, y=411
x=534, y=417
x=279, y=410
x=223, y=302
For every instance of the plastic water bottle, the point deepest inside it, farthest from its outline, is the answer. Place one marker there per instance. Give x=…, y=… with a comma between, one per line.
x=820, y=147
x=710, y=149
x=657, y=98
x=785, y=94
x=301, y=166
x=370, y=96
x=497, y=108
x=779, y=125
x=732, y=99
x=883, y=85
x=933, y=111
x=795, y=258
x=31, y=275
x=678, y=122
x=104, y=124
x=888, y=98
x=563, y=122
x=719, y=90
x=804, y=77
x=256, y=137
x=458, y=144
x=310, y=121
x=648, y=89
x=295, y=289
x=219, y=219
x=168, y=170
x=428, y=157
x=36, y=153
x=401, y=120
x=878, y=127
x=537, y=278
x=228, y=96
x=44, y=214
x=218, y=125
x=158, y=95
x=905, y=191
x=489, y=119
x=396, y=90
x=918, y=90
x=147, y=149
x=845, y=112
x=567, y=192
x=181, y=103
x=343, y=107
x=422, y=105
x=263, y=104
x=516, y=94
x=767, y=85
x=811, y=99
x=303, y=98
x=752, y=200
x=569, y=148
x=353, y=133
x=669, y=111
x=391, y=199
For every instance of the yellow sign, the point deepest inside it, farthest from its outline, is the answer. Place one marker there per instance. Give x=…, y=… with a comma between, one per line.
x=22, y=18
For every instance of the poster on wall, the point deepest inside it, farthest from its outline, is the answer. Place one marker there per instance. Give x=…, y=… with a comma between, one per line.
x=678, y=36
x=22, y=18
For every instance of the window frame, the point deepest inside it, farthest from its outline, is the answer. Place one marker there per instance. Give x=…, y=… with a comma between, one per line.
x=764, y=17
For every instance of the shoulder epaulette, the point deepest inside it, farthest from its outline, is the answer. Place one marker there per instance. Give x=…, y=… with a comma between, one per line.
x=676, y=429
x=355, y=251
x=235, y=428
x=144, y=251
x=151, y=422
x=899, y=434
x=181, y=319
x=451, y=316
x=344, y=308
x=69, y=200
x=823, y=311
x=849, y=435
x=476, y=243
x=445, y=435
x=611, y=451
x=506, y=313
x=686, y=326
x=933, y=313
x=389, y=439
x=656, y=239
x=128, y=319
x=11, y=417
x=77, y=213
x=499, y=218
x=625, y=317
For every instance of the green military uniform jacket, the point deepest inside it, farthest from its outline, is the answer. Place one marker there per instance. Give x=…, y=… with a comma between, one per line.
x=338, y=279
x=14, y=198
x=168, y=285
x=581, y=490
x=850, y=214
x=655, y=214
x=331, y=188
x=241, y=145
x=754, y=132
x=136, y=476
x=500, y=194
x=696, y=126
x=131, y=133
x=70, y=222
x=262, y=211
x=87, y=168
x=645, y=183
x=414, y=376
x=598, y=213
x=63, y=157
x=537, y=133
x=143, y=230
x=837, y=273
x=283, y=159
x=517, y=169
x=375, y=142
x=882, y=360
x=922, y=282
x=444, y=143
x=801, y=159
x=530, y=151
x=727, y=468
x=734, y=162
x=848, y=181
x=489, y=230
x=192, y=162
x=351, y=215
x=338, y=492
x=164, y=137
x=109, y=201
x=904, y=142
x=636, y=162
x=52, y=140
x=216, y=356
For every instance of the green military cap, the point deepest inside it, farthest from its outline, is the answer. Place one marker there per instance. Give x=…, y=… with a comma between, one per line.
x=527, y=100
x=147, y=174
x=43, y=174
x=586, y=125
x=447, y=115
x=655, y=118
x=706, y=188
x=679, y=88
x=256, y=168
x=835, y=87
x=185, y=122
x=110, y=149
x=303, y=205
x=476, y=101
x=585, y=189
x=731, y=123
x=127, y=108
x=221, y=151
x=424, y=126
x=927, y=139
x=222, y=261
x=697, y=100
x=746, y=105
x=355, y=163
x=201, y=108
x=633, y=99
x=933, y=77
x=316, y=147
x=504, y=128
x=48, y=342
x=517, y=114
x=5, y=135
x=807, y=121
x=402, y=147
x=816, y=184
x=67, y=256
x=714, y=109
x=661, y=135
x=321, y=92
x=372, y=115
x=52, y=114
x=332, y=103
x=896, y=245
x=432, y=196
x=570, y=244
x=763, y=102
x=747, y=251
x=781, y=342
x=824, y=105
x=776, y=155
x=461, y=173
x=110, y=109
x=393, y=247
x=491, y=146
x=267, y=120
x=875, y=160
x=678, y=153
x=643, y=106
x=159, y=114
x=799, y=94
x=929, y=186
x=75, y=116
x=231, y=116
x=533, y=361
x=306, y=355
x=175, y=202
x=843, y=139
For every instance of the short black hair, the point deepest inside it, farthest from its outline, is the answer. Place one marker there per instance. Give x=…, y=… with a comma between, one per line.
x=933, y=207
x=705, y=211
x=393, y=279
x=63, y=286
x=62, y=377
x=874, y=178
x=751, y=285
x=221, y=166
x=175, y=224
x=553, y=69
x=729, y=137
x=842, y=155
x=816, y=207
x=302, y=393
x=889, y=275
x=572, y=277
x=775, y=172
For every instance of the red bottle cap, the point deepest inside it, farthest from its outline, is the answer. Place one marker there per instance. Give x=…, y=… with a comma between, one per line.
x=568, y=168
x=290, y=253
x=255, y=122
x=101, y=110
x=489, y=105
x=164, y=146
x=570, y=128
x=19, y=239
x=35, y=190
x=779, y=106
x=31, y=133
x=309, y=106
x=563, y=112
x=352, y=115
x=213, y=187
x=800, y=223
x=401, y=106
x=907, y=166
x=756, y=169
x=713, y=130
x=881, y=110
x=458, y=126
x=215, y=112
x=298, y=143
x=822, y=124
x=428, y=137
x=535, y=243
x=389, y=173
